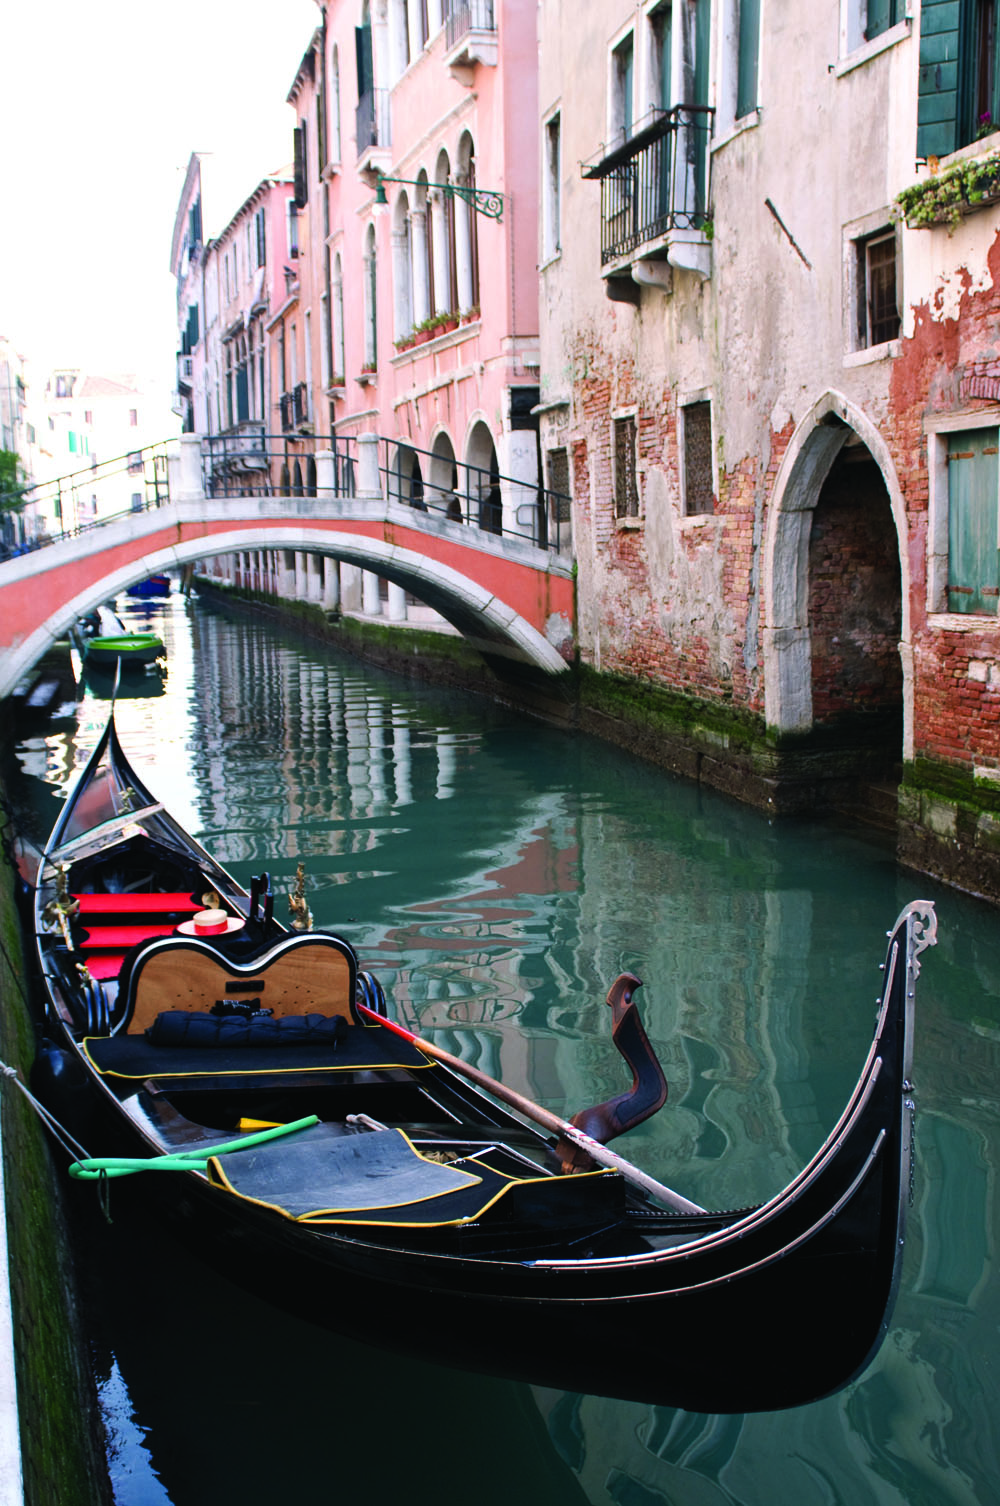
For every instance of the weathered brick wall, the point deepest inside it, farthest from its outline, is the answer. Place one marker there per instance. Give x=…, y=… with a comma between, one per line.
x=949, y=365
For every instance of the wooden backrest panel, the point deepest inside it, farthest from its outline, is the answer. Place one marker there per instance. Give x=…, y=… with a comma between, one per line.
x=301, y=975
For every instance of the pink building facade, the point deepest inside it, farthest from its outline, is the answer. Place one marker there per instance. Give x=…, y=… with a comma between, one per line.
x=413, y=313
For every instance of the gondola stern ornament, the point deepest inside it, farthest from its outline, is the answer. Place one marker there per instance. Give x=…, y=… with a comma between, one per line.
x=302, y=918
x=646, y=1096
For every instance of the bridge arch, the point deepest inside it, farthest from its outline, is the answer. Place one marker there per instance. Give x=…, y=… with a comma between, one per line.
x=498, y=630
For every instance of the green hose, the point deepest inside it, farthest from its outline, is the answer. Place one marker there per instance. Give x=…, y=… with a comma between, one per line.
x=195, y=1159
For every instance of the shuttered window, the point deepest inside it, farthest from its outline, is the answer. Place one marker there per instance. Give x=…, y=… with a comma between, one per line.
x=881, y=14
x=747, y=64
x=959, y=82
x=973, y=558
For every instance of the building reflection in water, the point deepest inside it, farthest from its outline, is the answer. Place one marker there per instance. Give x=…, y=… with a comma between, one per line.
x=497, y=877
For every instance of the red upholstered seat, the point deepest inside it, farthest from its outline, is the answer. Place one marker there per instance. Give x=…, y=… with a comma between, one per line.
x=120, y=938
x=105, y=965
x=137, y=904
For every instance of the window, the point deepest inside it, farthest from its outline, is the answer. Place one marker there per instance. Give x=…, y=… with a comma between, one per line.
x=137, y=501
x=696, y=439
x=560, y=505
x=622, y=90
x=973, y=558
x=370, y=301
x=133, y=418
x=551, y=192
x=748, y=58
x=334, y=105
x=880, y=15
x=135, y=463
x=959, y=81
x=878, y=313
x=626, y=483
x=260, y=233
x=301, y=176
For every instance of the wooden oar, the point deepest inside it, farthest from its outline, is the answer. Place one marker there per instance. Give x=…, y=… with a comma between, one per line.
x=544, y=1117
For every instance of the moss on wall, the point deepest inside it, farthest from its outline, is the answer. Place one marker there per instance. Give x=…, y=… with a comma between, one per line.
x=61, y=1436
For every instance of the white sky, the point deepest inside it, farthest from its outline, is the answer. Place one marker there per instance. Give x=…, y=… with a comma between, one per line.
x=101, y=105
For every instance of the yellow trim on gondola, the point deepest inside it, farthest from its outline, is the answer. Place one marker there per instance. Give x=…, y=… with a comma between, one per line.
x=250, y=1052
x=338, y=1216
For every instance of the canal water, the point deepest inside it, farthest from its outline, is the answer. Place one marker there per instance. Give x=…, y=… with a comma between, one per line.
x=497, y=875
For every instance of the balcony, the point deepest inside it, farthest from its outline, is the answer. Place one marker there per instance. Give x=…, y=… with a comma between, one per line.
x=235, y=460
x=470, y=35
x=371, y=127
x=654, y=197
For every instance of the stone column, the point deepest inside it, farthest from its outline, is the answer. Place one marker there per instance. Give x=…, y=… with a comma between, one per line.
x=371, y=598
x=369, y=484
x=397, y=603
x=331, y=584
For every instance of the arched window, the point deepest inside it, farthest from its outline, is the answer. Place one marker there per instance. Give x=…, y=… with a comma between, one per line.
x=371, y=302
x=466, y=233
x=443, y=217
x=334, y=104
x=422, y=252
x=402, y=268
x=339, y=364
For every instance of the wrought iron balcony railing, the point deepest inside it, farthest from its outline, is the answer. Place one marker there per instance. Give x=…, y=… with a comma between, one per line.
x=465, y=16
x=656, y=181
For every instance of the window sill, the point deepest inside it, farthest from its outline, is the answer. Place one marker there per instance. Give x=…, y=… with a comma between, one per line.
x=869, y=354
x=629, y=525
x=438, y=342
x=961, y=622
x=868, y=50
x=366, y=378
x=738, y=128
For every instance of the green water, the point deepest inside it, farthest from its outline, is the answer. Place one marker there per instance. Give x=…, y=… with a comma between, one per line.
x=497, y=875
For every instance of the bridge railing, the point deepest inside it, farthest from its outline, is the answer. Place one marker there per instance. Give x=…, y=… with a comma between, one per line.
x=479, y=496
x=78, y=502
x=248, y=462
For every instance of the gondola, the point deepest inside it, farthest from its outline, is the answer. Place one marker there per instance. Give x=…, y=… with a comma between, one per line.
x=362, y=1178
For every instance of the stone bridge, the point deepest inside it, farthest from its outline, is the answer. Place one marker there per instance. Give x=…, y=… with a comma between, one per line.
x=515, y=601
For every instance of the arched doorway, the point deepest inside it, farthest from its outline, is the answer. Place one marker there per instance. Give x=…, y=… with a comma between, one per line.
x=836, y=659
x=484, y=479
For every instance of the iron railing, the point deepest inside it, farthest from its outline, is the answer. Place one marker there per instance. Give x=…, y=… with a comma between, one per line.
x=70, y=499
x=465, y=16
x=655, y=181
x=247, y=462
x=475, y=495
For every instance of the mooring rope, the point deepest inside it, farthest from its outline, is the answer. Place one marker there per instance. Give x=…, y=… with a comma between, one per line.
x=73, y=1147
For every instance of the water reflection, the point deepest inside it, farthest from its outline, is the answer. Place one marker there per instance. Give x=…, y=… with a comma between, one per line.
x=497, y=876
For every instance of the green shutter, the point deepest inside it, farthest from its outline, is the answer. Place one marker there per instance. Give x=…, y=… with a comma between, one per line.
x=881, y=14
x=749, y=52
x=937, y=91
x=973, y=559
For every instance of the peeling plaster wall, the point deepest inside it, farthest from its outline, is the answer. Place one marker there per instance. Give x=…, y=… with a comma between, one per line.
x=686, y=601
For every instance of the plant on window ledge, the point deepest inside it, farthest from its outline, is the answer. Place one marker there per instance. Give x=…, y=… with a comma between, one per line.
x=945, y=198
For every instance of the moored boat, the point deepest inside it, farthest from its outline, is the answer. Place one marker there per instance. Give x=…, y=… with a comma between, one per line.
x=361, y=1177
x=106, y=642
